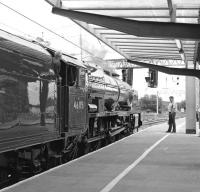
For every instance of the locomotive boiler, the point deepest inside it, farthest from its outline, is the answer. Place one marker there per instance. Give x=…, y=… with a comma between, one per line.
x=54, y=108
x=115, y=93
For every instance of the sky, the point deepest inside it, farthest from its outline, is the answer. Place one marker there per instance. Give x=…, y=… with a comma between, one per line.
x=40, y=11
x=167, y=85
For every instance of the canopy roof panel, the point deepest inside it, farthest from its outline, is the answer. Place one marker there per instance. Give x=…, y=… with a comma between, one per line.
x=131, y=45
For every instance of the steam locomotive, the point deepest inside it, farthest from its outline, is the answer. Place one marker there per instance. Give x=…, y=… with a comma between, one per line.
x=54, y=108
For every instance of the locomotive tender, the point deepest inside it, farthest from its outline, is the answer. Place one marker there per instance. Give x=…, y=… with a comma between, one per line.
x=54, y=108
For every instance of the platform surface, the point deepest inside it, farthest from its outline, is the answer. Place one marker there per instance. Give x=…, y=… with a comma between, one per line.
x=149, y=161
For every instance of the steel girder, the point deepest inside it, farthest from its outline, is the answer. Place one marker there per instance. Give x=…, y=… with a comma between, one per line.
x=184, y=31
x=124, y=64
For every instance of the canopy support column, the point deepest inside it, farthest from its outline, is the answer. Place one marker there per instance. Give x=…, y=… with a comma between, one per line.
x=190, y=105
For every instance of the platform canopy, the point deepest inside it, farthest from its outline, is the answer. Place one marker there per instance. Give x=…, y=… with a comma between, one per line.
x=160, y=32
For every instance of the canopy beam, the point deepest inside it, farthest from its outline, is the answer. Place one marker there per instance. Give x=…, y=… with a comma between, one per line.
x=184, y=31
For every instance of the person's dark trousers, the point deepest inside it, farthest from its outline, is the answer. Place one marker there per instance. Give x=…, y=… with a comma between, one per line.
x=172, y=122
x=197, y=116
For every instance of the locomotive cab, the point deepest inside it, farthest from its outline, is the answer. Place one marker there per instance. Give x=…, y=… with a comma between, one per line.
x=72, y=96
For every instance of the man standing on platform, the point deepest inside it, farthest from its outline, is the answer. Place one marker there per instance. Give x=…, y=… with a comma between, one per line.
x=172, y=115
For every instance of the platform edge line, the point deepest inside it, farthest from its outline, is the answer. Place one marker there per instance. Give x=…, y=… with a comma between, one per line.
x=110, y=185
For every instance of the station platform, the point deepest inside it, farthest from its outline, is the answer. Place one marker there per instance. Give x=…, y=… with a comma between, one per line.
x=150, y=160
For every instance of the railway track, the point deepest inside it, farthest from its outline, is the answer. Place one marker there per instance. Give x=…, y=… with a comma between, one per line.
x=149, y=122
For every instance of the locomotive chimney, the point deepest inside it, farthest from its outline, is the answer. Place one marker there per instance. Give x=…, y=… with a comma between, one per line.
x=130, y=77
x=124, y=75
x=127, y=76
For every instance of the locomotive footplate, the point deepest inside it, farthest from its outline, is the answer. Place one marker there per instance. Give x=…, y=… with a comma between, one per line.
x=114, y=113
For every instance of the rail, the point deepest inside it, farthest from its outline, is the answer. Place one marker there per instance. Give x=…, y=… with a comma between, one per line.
x=153, y=118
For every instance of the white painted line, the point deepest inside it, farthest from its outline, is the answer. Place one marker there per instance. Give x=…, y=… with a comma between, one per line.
x=110, y=185
x=70, y=162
